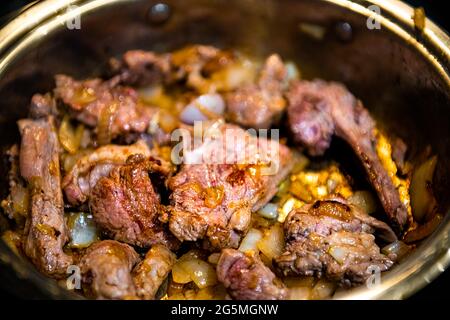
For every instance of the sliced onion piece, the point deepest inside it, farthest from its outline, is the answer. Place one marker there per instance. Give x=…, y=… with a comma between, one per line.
x=204, y=107
x=396, y=250
x=82, y=229
x=422, y=200
x=269, y=211
x=272, y=244
x=250, y=241
x=365, y=200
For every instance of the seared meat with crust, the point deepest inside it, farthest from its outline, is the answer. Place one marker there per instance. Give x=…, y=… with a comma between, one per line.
x=317, y=110
x=188, y=64
x=151, y=272
x=106, y=270
x=333, y=239
x=42, y=106
x=104, y=103
x=258, y=106
x=139, y=67
x=127, y=208
x=45, y=229
x=78, y=183
x=213, y=198
x=246, y=277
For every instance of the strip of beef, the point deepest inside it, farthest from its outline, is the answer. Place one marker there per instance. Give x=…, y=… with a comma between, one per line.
x=220, y=183
x=84, y=175
x=246, y=277
x=258, y=106
x=317, y=110
x=106, y=270
x=45, y=229
x=333, y=239
x=104, y=105
x=151, y=272
x=190, y=64
x=127, y=208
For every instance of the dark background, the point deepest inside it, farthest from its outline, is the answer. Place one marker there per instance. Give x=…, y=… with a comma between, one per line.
x=436, y=10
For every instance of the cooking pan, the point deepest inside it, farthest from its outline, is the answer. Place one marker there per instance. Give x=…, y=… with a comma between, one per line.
x=397, y=65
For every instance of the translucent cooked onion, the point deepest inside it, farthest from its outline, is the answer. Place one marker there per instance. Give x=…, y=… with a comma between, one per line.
x=69, y=137
x=105, y=122
x=422, y=200
x=272, y=243
x=82, y=229
x=191, y=268
x=365, y=200
x=269, y=211
x=396, y=250
x=323, y=290
x=339, y=254
x=250, y=241
x=204, y=107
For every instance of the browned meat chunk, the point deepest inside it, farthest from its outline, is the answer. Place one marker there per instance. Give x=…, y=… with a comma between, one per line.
x=333, y=239
x=139, y=67
x=105, y=105
x=42, y=106
x=317, y=110
x=190, y=64
x=127, y=208
x=106, y=270
x=213, y=197
x=246, y=278
x=45, y=230
x=152, y=271
x=258, y=106
x=84, y=175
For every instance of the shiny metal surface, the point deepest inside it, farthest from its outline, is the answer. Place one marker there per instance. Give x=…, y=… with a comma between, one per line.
x=402, y=76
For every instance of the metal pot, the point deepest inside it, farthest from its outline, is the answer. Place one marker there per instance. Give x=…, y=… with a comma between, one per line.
x=401, y=72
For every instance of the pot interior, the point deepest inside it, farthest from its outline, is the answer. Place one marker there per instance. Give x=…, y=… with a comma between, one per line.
x=400, y=87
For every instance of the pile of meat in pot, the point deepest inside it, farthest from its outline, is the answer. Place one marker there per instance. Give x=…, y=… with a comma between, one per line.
x=94, y=184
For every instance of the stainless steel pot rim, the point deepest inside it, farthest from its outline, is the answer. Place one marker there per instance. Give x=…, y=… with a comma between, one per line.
x=47, y=16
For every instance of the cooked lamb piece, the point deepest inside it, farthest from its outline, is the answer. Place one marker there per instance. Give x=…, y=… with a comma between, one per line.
x=80, y=180
x=333, y=239
x=127, y=208
x=45, y=229
x=317, y=110
x=106, y=270
x=246, y=277
x=42, y=106
x=190, y=64
x=153, y=271
x=222, y=182
x=142, y=68
x=258, y=106
x=104, y=105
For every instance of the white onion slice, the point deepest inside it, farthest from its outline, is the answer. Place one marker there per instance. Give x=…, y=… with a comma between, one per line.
x=202, y=108
x=269, y=211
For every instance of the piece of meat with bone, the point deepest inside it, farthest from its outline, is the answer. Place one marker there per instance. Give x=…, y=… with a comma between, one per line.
x=111, y=108
x=151, y=272
x=83, y=176
x=126, y=206
x=220, y=183
x=246, y=277
x=106, y=270
x=259, y=106
x=318, y=110
x=333, y=239
x=45, y=229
